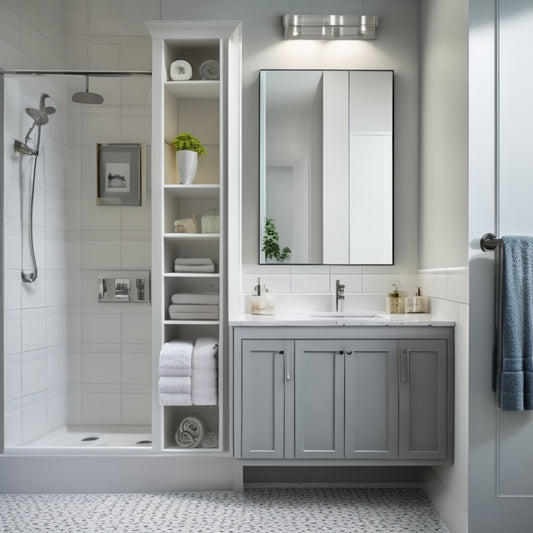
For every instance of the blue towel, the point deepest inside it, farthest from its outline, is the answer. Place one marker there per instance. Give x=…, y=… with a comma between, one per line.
x=514, y=372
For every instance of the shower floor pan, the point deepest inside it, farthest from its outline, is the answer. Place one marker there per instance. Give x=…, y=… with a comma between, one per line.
x=94, y=437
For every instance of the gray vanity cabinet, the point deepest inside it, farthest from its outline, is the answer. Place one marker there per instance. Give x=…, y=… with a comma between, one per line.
x=371, y=399
x=369, y=395
x=423, y=397
x=266, y=399
x=319, y=400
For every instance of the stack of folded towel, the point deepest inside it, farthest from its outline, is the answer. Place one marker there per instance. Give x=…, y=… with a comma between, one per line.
x=204, y=371
x=198, y=264
x=188, y=373
x=175, y=373
x=194, y=306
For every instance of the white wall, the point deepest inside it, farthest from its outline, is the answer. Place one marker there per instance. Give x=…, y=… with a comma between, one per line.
x=396, y=48
x=443, y=220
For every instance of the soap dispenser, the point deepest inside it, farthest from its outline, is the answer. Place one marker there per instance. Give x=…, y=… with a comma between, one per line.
x=417, y=303
x=262, y=302
x=394, y=303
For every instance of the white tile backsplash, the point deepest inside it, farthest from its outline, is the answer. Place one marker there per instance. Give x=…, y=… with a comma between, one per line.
x=310, y=283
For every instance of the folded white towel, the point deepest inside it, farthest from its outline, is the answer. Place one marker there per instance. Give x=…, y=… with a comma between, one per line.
x=203, y=298
x=166, y=398
x=194, y=268
x=204, y=353
x=193, y=261
x=193, y=316
x=175, y=359
x=175, y=384
x=204, y=373
x=177, y=348
x=193, y=308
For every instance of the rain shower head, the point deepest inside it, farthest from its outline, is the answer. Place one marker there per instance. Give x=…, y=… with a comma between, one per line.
x=87, y=97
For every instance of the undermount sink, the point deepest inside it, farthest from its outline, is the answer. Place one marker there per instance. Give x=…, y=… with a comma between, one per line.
x=345, y=314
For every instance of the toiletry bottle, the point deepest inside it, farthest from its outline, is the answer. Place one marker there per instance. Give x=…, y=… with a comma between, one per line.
x=394, y=303
x=417, y=303
x=261, y=302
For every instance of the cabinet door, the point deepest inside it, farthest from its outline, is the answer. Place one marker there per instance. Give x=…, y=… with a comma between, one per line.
x=371, y=396
x=264, y=367
x=319, y=400
x=423, y=368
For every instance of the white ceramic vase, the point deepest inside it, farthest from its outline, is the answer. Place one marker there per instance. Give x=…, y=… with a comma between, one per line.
x=187, y=162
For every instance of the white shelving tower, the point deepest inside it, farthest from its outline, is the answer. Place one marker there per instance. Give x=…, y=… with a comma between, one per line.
x=209, y=110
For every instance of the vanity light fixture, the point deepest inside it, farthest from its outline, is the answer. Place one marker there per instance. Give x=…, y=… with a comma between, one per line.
x=330, y=27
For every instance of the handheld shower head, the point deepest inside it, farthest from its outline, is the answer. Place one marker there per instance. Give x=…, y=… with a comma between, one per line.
x=40, y=116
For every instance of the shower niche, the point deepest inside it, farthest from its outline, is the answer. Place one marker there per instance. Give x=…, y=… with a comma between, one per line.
x=188, y=225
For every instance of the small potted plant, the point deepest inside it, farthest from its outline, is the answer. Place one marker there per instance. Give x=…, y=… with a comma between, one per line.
x=188, y=148
x=271, y=243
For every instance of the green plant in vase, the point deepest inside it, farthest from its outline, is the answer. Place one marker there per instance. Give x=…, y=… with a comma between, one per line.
x=186, y=141
x=188, y=148
x=271, y=243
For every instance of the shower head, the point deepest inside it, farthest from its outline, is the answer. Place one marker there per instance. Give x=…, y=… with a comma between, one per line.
x=40, y=116
x=86, y=97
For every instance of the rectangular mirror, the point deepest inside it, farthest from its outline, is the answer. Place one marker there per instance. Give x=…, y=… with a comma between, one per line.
x=326, y=167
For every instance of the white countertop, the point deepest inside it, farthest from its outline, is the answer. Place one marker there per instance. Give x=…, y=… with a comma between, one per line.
x=304, y=319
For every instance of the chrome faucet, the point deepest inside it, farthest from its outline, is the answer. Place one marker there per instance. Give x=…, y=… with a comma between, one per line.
x=339, y=296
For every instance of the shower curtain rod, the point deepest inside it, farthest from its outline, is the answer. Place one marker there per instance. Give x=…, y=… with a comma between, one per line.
x=95, y=73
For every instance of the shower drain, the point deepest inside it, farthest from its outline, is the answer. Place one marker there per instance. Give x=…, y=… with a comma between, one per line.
x=89, y=439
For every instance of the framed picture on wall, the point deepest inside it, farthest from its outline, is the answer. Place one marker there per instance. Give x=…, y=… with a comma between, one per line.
x=119, y=174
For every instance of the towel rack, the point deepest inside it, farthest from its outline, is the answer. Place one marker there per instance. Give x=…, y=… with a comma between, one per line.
x=489, y=242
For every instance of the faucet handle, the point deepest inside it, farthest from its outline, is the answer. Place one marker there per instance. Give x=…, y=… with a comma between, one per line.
x=339, y=287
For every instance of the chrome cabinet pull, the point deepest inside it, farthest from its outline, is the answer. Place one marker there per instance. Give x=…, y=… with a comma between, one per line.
x=404, y=366
x=287, y=365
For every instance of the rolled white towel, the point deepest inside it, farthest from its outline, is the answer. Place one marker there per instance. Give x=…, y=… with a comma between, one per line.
x=167, y=398
x=190, y=432
x=210, y=440
x=175, y=358
x=193, y=261
x=202, y=298
x=175, y=385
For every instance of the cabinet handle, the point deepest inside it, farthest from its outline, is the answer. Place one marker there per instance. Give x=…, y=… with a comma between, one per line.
x=404, y=366
x=287, y=365
x=341, y=352
x=349, y=352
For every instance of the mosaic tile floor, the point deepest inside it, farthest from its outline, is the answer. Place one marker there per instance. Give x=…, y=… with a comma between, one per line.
x=265, y=510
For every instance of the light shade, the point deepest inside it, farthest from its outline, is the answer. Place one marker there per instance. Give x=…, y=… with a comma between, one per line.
x=333, y=27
